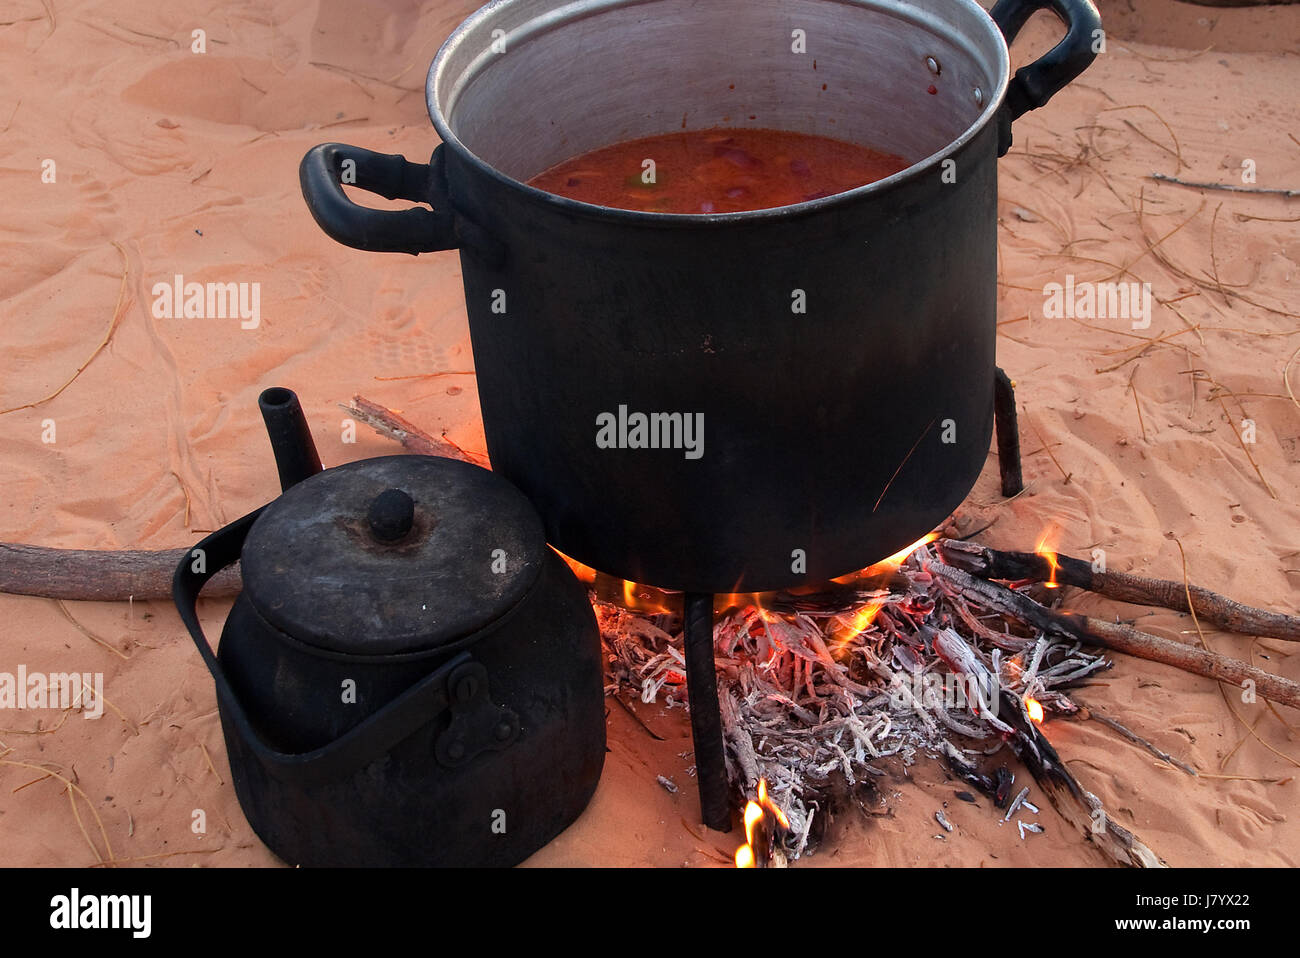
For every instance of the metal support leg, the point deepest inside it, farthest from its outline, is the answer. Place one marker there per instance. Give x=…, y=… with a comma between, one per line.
x=1004, y=414
x=706, y=719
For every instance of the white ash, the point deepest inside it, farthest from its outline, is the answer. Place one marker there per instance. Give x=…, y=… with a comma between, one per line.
x=813, y=707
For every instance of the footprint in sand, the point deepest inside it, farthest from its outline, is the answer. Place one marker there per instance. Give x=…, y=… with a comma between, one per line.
x=136, y=143
x=412, y=353
x=91, y=214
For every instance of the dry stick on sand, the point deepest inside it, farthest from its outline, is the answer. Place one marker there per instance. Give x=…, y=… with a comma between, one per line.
x=91, y=575
x=112, y=327
x=1133, y=737
x=1222, y=612
x=1228, y=187
x=412, y=438
x=1119, y=638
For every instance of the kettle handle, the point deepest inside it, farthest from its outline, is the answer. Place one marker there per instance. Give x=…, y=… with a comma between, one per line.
x=352, y=750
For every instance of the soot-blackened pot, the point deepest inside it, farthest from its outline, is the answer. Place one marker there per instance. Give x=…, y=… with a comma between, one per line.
x=833, y=435
x=410, y=676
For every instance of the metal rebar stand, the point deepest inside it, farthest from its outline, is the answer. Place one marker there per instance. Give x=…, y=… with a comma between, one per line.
x=706, y=719
x=1004, y=415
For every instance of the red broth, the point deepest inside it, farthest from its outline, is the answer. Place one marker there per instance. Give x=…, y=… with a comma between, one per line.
x=717, y=171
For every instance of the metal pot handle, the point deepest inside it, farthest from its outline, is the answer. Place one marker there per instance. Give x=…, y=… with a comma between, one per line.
x=1035, y=84
x=360, y=745
x=327, y=167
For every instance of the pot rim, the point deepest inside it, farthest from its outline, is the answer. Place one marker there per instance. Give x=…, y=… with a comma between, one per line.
x=563, y=204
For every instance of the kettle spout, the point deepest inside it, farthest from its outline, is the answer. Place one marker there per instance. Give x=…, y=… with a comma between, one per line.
x=295, y=453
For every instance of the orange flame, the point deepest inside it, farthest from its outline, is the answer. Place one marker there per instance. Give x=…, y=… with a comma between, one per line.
x=736, y=600
x=886, y=566
x=1035, y=710
x=1051, y=557
x=863, y=616
x=757, y=812
x=643, y=598
x=585, y=573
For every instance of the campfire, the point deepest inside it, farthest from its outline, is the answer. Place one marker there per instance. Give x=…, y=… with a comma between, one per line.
x=924, y=655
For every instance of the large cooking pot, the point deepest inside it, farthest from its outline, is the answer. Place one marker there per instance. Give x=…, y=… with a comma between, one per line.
x=832, y=436
x=409, y=676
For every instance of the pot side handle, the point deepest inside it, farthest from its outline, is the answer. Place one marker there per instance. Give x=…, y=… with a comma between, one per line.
x=1035, y=84
x=326, y=168
x=351, y=751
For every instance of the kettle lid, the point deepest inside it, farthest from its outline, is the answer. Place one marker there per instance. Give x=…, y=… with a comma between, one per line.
x=391, y=556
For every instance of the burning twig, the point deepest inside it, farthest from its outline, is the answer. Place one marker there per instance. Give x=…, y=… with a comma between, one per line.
x=765, y=824
x=1222, y=612
x=1076, y=804
x=818, y=692
x=1121, y=638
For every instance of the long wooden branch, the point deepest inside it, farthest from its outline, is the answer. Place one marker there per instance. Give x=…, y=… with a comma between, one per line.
x=1119, y=638
x=1219, y=610
x=88, y=574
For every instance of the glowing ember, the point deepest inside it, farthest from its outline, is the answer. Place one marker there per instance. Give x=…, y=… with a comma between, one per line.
x=1035, y=710
x=764, y=824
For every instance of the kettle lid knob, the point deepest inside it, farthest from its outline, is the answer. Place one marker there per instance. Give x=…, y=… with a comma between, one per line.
x=391, y=515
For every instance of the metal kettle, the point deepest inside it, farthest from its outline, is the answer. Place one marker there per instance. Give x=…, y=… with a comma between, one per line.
x=410, y=676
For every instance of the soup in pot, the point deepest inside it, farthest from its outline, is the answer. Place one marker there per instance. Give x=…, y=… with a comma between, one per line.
x=717, y=171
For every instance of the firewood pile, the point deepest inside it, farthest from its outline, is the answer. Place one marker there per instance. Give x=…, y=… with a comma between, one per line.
x=931, y=656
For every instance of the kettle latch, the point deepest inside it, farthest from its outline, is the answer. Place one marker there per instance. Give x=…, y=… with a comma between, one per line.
x=477, y=724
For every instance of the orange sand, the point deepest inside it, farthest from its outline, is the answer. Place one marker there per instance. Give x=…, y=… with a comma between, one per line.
x=187, y=164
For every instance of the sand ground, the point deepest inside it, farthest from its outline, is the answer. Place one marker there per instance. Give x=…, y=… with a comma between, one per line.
x=172, y=162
